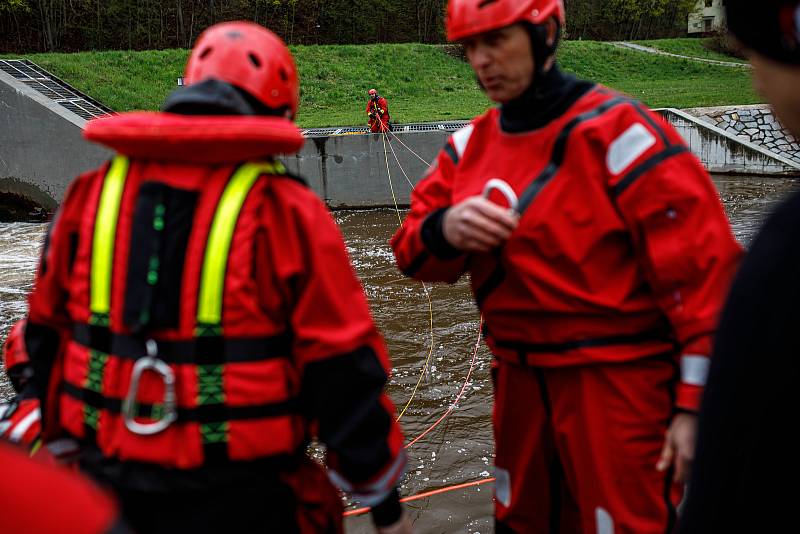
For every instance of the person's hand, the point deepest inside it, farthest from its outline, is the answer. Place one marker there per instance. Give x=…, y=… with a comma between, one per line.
x=478, y=225
x=679, y=447
x=401, y=526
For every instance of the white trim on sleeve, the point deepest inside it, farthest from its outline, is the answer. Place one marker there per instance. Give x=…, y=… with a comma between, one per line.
x=694, y=369
x=23, y=426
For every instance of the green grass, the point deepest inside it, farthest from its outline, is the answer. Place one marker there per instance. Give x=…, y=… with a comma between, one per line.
x=689, y=47
x=659, y=81
x=421, y=82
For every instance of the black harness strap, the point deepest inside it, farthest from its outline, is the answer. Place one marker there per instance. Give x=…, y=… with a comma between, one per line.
x=205, y=350
x=205, y=414
x=658, y=334
x=645, y=166
x=450, y=151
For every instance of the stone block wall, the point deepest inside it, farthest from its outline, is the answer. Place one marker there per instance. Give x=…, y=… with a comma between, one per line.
x=756, y=124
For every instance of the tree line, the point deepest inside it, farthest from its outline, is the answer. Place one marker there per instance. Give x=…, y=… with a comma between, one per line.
x=70, y=25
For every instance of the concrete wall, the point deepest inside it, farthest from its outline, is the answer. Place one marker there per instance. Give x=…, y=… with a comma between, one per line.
x=723, y=152
x=41, y=148
x=755, y=124
x=351, y=171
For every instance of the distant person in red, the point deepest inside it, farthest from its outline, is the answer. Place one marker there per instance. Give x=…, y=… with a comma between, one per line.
x=38, y=499
x=378, y=112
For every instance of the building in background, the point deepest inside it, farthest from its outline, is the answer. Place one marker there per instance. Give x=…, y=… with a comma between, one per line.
x=708, y=16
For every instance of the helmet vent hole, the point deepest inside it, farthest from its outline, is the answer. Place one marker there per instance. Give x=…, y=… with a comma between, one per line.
x=284, y=76
x=485, y=3
x=254, y=60
x=204, y=54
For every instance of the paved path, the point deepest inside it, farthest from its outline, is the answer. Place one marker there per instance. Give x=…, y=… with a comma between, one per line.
x=649, y=50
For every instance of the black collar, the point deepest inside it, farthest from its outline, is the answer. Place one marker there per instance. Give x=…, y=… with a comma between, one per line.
x=215, y=97
x=538, y=106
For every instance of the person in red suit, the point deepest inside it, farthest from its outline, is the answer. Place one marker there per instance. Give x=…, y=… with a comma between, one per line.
x=599, y=255
x=195, y=321
x=378, y=113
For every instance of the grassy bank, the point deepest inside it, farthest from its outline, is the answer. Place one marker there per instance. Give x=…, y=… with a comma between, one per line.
x=421, y=82
x=689, y=47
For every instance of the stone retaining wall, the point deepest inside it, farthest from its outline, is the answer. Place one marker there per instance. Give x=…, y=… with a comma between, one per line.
x=756, y=124
x=723, y=152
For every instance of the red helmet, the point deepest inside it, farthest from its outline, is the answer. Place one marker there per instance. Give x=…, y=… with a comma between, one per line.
x=373, y=92
x=250, y=57
x=466, y=18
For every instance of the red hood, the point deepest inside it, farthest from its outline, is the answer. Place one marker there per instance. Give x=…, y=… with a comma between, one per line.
x=195, y=138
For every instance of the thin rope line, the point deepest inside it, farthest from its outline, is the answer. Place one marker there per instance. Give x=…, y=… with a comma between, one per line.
x=398, y=164
x=424, y=288
x=460, y=393
x=394, y=136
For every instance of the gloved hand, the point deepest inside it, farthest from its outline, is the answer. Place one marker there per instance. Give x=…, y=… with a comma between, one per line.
x=372, y=115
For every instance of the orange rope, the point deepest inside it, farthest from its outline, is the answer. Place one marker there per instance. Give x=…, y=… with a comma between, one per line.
x=359, y=511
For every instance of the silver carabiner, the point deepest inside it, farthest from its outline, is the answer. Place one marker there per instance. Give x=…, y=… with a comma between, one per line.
x=151, y=362
x=496, y=184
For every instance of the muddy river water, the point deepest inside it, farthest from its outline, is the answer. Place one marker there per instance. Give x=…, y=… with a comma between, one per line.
x=460, y=448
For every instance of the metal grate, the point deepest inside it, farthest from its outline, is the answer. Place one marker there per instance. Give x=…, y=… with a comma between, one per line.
x=450, y=126
x=54, y=88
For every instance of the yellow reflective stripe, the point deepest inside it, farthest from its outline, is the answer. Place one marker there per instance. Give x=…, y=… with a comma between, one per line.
x=105, y=229
x=212, y=280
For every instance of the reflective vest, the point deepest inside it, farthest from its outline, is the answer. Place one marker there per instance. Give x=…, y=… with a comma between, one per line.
x=180, y=401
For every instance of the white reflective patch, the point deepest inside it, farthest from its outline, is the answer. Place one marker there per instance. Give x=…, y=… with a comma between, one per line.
x=502, y=486
x=628, y=147
x=23, y=426
x=461, y=138
x=694, y=369
x=604, y=521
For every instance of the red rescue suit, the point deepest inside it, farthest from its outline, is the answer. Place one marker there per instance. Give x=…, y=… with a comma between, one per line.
x=378, y=113
x=214, y=325
x=45, y=499
x=612, y=281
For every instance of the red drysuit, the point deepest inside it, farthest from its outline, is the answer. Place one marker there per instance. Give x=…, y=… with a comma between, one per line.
x=378, y=113
x=214, y=325
x=613, y=279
